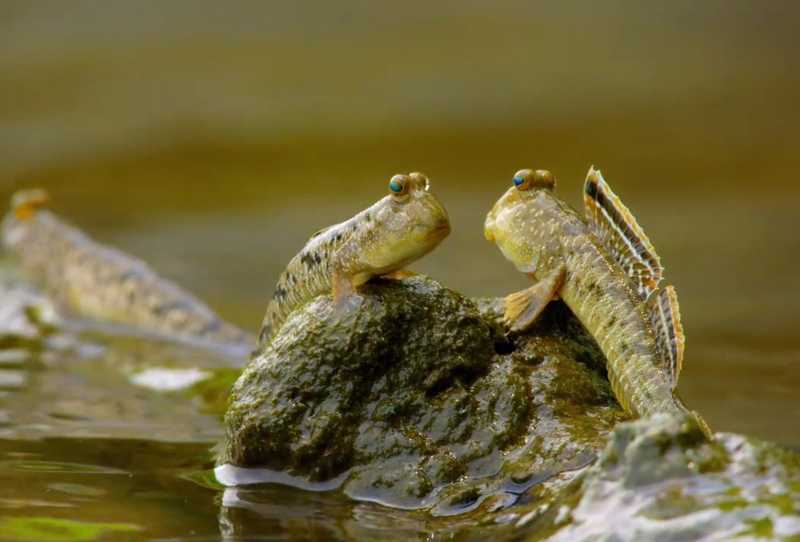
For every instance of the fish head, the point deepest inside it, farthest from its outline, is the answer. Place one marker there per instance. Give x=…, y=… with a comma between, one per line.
x=512, y=219
x=405, y=225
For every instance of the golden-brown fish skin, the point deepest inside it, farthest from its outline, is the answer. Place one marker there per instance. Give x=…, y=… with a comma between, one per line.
x=395, y=231
x=541, y=235
x=88, y=279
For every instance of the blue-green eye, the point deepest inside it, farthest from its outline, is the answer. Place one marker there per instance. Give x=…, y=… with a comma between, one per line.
x=522, y=179
x=399, y=184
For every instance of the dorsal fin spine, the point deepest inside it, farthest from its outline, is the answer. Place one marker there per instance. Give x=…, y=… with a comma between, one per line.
x=665, y=319
x=621, y=235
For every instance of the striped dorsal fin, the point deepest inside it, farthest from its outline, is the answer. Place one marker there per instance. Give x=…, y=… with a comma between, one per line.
x=622, y=236
x=665, y=319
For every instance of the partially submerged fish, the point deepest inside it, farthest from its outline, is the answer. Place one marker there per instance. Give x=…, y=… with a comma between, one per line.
x=88, y=279
x=606, y=270
x=396, y=230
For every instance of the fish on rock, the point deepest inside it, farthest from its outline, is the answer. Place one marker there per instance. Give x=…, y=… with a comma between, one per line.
x=396, y=230
x=605, y=269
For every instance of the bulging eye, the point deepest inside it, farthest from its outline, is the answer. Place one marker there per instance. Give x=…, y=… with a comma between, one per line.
x=420, y=180
x=543, y=178
x=523, y=179
x=398, y=185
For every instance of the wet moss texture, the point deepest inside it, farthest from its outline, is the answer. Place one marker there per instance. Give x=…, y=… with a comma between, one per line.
x=416, y=399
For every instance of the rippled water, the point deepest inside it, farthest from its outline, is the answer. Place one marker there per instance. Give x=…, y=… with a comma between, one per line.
x=212, y=141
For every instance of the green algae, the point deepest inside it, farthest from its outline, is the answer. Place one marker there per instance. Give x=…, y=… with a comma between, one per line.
x=44, y=529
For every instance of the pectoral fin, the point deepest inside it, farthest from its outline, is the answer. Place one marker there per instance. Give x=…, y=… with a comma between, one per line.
x=400, y=274
x=523, y=308
x=344, y=293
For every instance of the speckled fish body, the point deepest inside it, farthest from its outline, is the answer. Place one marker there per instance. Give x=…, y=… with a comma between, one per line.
x=609, y=277
x=88, y=279
x=395, y=231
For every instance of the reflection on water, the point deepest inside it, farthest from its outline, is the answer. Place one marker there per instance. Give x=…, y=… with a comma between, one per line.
x=213, y=141
x=127, y=485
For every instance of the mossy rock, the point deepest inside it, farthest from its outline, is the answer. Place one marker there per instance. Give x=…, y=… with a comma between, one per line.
x=416, y=399
x=659, y=478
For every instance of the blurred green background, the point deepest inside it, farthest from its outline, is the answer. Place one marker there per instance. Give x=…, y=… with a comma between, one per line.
x=211, y=138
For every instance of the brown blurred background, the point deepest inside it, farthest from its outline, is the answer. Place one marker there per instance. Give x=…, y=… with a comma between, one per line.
x=212, y=138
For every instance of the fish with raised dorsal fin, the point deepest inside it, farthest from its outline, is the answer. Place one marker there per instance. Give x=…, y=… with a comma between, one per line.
x=607, y=272
x=396, y=230
x=89, y=279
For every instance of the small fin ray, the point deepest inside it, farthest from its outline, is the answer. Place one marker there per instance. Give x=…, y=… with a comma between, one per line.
x=665, y=319
x=621, y=234
x=522, y=308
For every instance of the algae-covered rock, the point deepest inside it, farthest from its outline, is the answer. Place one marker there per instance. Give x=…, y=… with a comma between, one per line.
x=660, y=479
x=416, y=400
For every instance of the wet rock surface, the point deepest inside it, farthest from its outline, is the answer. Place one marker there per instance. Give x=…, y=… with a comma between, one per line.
x=438, y=432
x=659, y=479
x=415, y=399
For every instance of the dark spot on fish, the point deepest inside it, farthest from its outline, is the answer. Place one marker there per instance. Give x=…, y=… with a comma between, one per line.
x=169, y=306
x=368, y=217
x=338, y=237
x=310, y=259
x=624, y=347
x=212, y=327
x=317, y=258
x=280, y=293
x=611, y=321
x=129, y=274
x=591, y=189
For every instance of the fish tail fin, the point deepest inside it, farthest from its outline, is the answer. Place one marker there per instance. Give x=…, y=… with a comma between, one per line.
x=694, y=416
x=701, y=423
x=25, y=203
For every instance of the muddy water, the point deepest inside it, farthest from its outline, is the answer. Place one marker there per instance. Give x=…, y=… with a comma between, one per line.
x=212, y=142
